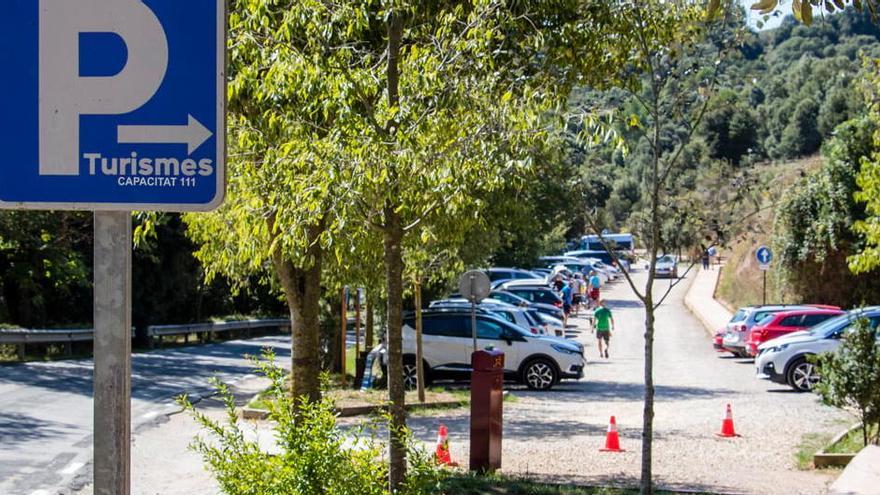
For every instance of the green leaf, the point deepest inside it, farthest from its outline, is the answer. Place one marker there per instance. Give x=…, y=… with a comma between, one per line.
x=807, y=12
x=764, y=5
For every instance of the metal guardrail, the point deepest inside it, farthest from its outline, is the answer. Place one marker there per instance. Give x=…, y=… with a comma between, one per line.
x=206, y=330
x=17, y=336
x=20, y=337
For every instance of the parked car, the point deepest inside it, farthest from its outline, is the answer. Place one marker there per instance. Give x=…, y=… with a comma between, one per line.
x=784, y=359
x=510, y=274
x=517, y=315
x=666, y=266
x=539, y=362
x=555, y=260
x=544, y=295
x=603, y=256
x=504, y=285
x=785, y=322
x=734, y=339
x=568, y=270
x=511, y=298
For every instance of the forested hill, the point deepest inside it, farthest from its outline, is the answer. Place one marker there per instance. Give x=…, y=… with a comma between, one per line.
x=781, y=94
x=806, y=81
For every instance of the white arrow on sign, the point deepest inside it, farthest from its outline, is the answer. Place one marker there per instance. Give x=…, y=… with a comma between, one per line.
x=194, y=134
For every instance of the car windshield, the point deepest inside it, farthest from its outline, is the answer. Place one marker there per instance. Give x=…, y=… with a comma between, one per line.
x=828, y=326
x=740, y=315
x=666, y=259
x=533, y=318
x=764, y=318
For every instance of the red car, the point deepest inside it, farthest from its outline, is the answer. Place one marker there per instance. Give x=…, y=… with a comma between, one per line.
x=778, y=324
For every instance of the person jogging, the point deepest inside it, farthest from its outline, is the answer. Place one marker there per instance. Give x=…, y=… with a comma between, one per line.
x=604, y=325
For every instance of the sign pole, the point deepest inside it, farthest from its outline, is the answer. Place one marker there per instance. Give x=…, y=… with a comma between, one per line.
x=420, y=366
x=764, y=298
x=473, y=313
x=343, y=332
x=112, y=349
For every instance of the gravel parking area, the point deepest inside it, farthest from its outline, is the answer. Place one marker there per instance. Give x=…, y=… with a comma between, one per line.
x=557, y=435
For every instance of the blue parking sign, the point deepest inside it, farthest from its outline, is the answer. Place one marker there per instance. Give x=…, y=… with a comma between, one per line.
x=113, y=104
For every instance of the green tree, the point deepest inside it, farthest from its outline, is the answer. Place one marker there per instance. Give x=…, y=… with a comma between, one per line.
x=667, y=72
x=851, y=377
x=801, y=135
x=813, y=228
x=45, y=267
x=867, y=258
x=288, y=174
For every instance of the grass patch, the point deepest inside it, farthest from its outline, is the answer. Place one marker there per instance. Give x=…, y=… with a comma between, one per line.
x=810, y=444
x=852, y=443
x=501, y=485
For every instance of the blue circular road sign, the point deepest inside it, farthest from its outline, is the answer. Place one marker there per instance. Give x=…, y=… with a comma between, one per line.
x=764, y=255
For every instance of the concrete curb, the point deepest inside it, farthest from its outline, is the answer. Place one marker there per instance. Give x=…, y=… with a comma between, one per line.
x=700, y=301
x=861, y=476
x=823, y=459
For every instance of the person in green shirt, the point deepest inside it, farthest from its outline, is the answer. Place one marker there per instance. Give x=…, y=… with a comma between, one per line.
x=604, y=325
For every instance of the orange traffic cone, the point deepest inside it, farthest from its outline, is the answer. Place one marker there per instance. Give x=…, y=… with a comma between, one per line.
x=727, y=429
x=612, y=440
x=442, y=453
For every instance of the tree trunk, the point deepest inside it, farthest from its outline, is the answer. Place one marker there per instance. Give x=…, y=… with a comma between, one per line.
x=368, y=332
x=302, y=290
x=394, y=281
x=393, y=232
x=648, y=411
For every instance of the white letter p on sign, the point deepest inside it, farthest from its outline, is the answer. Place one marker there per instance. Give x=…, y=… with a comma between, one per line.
x=65, y=96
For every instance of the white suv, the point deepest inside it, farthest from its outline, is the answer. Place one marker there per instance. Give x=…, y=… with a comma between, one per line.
x=539, y=362
x=784, y=359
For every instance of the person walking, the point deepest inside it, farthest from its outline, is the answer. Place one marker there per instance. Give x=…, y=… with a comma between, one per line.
x=576, y=284
x=604, y=326
x=594, y=286
x=558, y=283
x=705, y=259
x=567, y=299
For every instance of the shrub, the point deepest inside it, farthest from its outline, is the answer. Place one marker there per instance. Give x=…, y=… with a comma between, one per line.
x=851, y=377
x=314, y=454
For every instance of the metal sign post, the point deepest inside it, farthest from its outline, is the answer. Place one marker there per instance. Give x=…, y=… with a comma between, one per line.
x=112, y=381
x=474, y=286
x=764, y=256
x=474, y=319
x=133, y=121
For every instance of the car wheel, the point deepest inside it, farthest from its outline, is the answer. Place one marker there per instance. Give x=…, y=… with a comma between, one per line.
x=411, y=374
x=540, y=374
x=803, y=375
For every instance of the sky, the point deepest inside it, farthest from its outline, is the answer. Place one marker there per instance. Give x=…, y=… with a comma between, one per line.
x=784, y=9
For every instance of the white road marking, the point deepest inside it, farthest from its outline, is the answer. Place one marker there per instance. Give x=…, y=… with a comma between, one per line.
x=39, y=492
x=72, y=468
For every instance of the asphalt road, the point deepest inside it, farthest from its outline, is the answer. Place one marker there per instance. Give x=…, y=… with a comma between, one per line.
x=46, y=408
